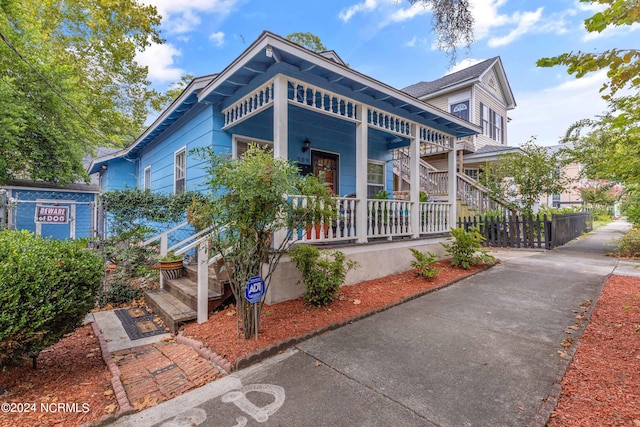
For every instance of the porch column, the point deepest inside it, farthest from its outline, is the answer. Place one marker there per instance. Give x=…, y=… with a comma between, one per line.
x=280, y=117
x=280, y=134
x=362, y=154
x=414, y=194
x=452, y=188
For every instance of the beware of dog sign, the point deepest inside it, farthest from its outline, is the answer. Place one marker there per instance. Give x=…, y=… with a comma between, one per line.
x=52, y=214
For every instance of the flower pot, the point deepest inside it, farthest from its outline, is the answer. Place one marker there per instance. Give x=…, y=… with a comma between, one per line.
x=317, y=228
x=171, y=270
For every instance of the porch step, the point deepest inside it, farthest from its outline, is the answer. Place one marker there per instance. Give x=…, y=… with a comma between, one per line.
x=169, y=308
x=186, y=290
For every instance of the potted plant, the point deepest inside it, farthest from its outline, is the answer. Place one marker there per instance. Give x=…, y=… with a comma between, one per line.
x=171, y=265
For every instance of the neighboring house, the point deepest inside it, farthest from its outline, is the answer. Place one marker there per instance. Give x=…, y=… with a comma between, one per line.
x=480, y=94
x=310, y=108
x=571, y=196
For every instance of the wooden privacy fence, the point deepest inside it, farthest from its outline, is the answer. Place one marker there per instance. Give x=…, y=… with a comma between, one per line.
x=533, y=231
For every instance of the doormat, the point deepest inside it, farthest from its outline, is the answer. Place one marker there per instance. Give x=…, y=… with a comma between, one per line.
x=138, y=322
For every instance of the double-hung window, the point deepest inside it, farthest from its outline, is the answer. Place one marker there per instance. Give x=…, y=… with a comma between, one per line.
x=375, y=178
x=180, y=171
x=492, y=124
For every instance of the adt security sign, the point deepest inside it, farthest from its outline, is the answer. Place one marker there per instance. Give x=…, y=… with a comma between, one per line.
x=254, y=290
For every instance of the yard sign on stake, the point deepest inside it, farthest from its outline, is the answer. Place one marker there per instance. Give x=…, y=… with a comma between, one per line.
x=253, y=292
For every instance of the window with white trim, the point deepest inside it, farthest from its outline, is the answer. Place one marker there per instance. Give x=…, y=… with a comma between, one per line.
x=180, y=171
x=146, y=184
x=472, y=173
x=461, y=109
x=375, y=178
x=492, y=123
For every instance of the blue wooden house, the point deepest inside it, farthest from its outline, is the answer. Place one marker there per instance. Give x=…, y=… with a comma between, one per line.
x=311, y=108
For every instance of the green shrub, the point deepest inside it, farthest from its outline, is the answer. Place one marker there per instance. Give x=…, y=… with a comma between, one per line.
x=120, y=291
x=466, y=249
x=323, y=272
x=423, y=263
x=46, y=289
x=629, y=244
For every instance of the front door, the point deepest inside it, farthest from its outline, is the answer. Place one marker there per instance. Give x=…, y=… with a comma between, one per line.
x=325, y=168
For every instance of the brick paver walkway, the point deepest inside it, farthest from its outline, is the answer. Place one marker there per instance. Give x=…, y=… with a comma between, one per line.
x=157, y=372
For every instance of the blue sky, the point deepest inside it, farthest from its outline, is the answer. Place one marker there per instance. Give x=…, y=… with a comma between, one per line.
x=392, y=41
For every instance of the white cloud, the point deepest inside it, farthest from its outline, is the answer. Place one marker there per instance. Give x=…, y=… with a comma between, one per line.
x=160, y=59
x=366, y=6
x=488, y=20
x=465, y=63
x=405, y=14
x=525, y=23
x=217, y=38
x=548, y=113
x=184, y=16
x=611, y=32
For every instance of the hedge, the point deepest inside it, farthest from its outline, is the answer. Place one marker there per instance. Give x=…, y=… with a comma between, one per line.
x=46, y=289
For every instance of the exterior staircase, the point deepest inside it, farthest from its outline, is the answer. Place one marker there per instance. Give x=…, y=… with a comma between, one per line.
x=471, y=195
x=177, y=302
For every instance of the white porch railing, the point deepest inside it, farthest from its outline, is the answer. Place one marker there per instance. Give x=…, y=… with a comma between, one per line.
x=324, y=230
x=434, y=217
x=388, y=218
x=476, y=196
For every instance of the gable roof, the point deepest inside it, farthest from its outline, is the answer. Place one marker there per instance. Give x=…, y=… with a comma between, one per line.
x=170, y=115
x=465, y=77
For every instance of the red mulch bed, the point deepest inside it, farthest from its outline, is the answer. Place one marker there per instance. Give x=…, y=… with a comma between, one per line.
x=602, y=384
x=70, y=372
x=295, y=319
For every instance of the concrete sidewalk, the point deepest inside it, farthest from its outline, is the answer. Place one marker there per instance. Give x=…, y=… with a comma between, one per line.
x=488, y=351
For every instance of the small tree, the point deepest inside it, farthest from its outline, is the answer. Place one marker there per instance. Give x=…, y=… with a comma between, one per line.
x=249, y=199
x=523, y=177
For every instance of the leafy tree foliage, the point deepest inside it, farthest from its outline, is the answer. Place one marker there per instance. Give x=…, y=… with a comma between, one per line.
x=69, y=82
x=525, y=176
x=163, y=100
x=623, y=65
x=308, y=40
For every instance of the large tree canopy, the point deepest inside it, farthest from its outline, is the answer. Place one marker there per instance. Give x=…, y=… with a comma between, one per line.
x=69, y=82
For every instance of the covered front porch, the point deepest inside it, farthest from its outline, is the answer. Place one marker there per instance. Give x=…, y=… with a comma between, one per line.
x=350, y=146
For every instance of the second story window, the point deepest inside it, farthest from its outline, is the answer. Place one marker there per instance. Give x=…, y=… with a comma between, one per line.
x=180, y=171
x=461, y=109
x=492, y=124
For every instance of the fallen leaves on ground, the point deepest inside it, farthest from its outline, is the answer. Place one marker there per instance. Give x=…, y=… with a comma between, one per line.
x=602, y=384
x=70, y=386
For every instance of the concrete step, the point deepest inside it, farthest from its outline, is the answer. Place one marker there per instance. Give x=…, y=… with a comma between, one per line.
x=170, y=309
